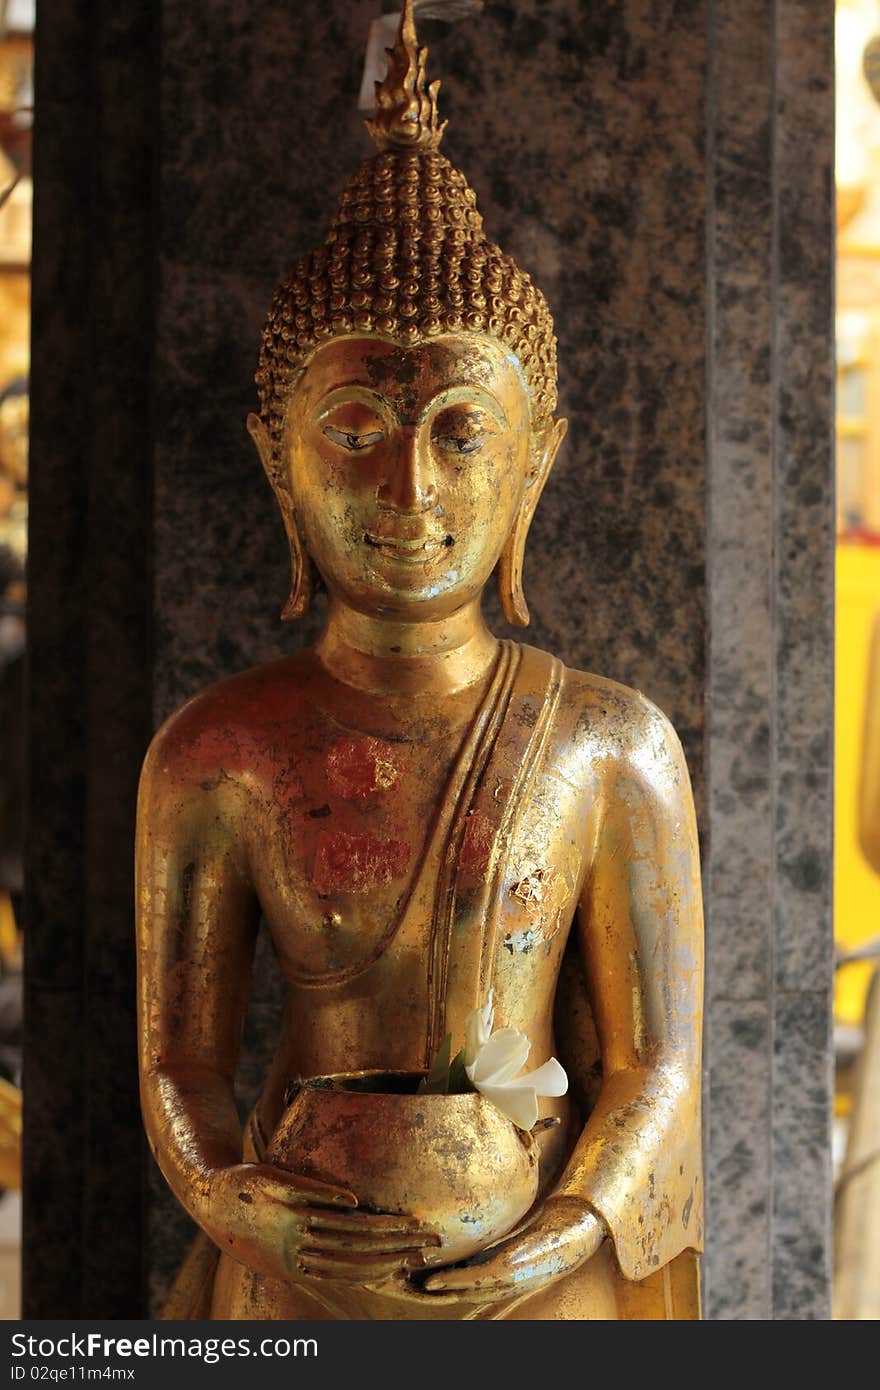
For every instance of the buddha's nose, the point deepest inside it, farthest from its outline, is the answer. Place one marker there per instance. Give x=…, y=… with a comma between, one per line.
x=409, y=487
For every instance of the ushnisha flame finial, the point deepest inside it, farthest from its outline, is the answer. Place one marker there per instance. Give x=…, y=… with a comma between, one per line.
x=406, y=256
x=406, y=105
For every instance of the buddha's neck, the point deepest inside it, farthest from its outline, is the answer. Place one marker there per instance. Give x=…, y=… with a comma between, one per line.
x=378, y=655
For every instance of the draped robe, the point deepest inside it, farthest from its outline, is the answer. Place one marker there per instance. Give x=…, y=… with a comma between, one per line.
x=568, y=803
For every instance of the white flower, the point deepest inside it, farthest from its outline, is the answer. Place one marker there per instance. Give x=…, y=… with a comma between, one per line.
x=477, y=1030
x=492, y=1061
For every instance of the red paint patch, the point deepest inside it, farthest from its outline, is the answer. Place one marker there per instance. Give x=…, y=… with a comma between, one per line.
x=228, y=746
x=359, y=767
x=356, y=863
x=476, y=847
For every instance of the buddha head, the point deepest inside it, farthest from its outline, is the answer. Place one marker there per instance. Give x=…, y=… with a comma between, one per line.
x=407, y=383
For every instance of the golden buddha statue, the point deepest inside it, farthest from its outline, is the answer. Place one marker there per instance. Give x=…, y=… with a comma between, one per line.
x=431, y=821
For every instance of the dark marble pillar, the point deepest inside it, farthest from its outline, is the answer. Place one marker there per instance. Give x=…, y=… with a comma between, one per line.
x=90, y=669
x=769, y=731
x=647, y=164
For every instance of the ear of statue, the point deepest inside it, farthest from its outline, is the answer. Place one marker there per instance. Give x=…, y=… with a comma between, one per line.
x=510, y=563
x=301, y=583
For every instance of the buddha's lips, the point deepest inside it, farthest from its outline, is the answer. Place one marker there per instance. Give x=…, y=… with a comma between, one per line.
x=414, y=550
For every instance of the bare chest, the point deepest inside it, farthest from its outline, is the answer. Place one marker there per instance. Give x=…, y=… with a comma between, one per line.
x=343, y=825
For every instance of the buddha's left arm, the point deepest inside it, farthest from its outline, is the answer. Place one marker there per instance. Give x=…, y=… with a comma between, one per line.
x=640, y=924
x=635, y=1172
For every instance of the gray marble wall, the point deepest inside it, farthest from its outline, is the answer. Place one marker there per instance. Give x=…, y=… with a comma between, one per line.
x=89, y=663
x=663, y=171
x=769, y=705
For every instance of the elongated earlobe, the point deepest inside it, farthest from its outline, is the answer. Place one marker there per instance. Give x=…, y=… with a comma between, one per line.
x=301, y=577
x=510, y=580
x=510, y=562
x=301, y=586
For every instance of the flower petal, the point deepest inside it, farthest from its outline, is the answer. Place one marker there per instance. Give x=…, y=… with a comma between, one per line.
x=547, y=1080
x=478, y=1028
x=503, y=1056
x=518, y=1103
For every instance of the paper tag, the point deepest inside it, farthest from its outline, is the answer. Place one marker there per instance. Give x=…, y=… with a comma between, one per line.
x=383, y=32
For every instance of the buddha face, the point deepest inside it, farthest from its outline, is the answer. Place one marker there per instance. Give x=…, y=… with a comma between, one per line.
x=406, y=468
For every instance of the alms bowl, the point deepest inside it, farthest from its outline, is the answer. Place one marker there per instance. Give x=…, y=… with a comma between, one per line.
x=453, y=1161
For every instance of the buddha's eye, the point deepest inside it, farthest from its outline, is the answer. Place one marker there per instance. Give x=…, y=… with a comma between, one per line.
x=348, y=439
x=461, y=432
x=460, y=444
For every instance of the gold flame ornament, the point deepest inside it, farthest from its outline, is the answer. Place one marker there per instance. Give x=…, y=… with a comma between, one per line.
x=406, y=105
x=406, y=257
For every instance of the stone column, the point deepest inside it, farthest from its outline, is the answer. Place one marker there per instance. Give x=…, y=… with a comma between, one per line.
x=769, y=693
x=664, y=173
x=90, y=669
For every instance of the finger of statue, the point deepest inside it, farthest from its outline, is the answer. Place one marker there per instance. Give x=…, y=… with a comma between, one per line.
x=417, y=1281
x=296, y=1191
x=358, y=1269
x=369, y=1221
x=364, y=1242
x=502, y=1275
x=486, y=1290
x=502, y=1278
x=483, y=1289
x=312, y=1190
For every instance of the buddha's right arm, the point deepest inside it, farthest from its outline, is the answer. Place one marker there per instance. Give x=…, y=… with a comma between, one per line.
x=197, y=917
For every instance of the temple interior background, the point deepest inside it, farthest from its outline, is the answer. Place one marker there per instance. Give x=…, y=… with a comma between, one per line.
x=16, y=197
x=856, y=880
x=856, y=1133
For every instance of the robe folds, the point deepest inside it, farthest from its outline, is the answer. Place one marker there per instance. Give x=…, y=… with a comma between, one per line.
x=555, y=874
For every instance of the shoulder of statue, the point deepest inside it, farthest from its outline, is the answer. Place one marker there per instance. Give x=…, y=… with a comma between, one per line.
x=618, y=722
x=221, y=726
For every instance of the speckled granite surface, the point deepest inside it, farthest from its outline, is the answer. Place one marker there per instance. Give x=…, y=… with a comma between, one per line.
x=686, y=262
x=803, y=633
x=769, y=694
x=738, y=873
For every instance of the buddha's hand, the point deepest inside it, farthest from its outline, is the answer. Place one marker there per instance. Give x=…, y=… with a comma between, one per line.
x=563, y=1235
x=294, y=1228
